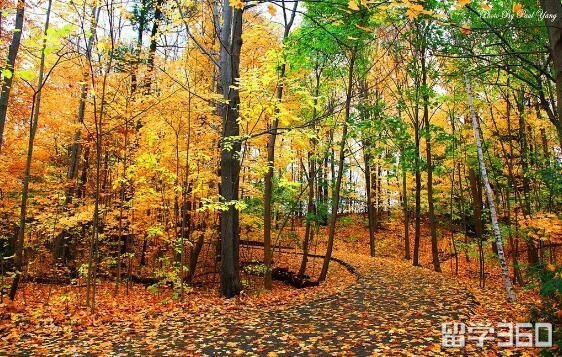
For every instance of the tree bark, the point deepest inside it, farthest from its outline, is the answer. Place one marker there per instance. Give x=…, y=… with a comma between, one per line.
x=10, y=65
x=337, y=188
x=417, y=235
x=367, y=159
x=432, y=223
x=231, y=44
x=405, y=209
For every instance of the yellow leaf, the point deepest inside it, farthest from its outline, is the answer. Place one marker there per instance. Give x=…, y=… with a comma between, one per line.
x=417, y=7
x=364, y=28
x=485, y=6
x=411, y=15
x=518, y=9
x=271, y=9
x=464, y=2
x=353, y=5
x=465, y=29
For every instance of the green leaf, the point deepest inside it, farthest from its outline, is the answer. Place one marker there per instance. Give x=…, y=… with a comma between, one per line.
x=7, y=73
x=26, y=74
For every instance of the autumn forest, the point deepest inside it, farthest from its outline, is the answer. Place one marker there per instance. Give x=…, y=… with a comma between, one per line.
x=287, y=177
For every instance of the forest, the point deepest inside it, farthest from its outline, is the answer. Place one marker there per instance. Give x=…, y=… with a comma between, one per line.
x=285, y=177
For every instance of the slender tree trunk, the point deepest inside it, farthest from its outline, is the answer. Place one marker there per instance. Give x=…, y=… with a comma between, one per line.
x=36, y=106
x=476, y=192
x=532, y=253
x=432, y=223
x=10, y=65
x=311, y=211
x=185, y=212
x=268, y=187
x=508, y=156
x=141, y=22
x=337, y=188
x=405, y=209
x=312, y=172
x=98, y=114
x=153, y=44
x=499, y=243
x=418, y=195
x=554, y=25
x=453, y=243
x=76, y=142
x=367, y=159
x=268, y=180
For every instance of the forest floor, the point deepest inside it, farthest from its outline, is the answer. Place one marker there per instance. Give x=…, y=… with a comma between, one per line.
x=392, y=308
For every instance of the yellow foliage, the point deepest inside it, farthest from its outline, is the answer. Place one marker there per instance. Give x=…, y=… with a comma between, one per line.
x=353, y=5
x=237, y=4
x=485, y=6
x=465, y=29
x=271, y=9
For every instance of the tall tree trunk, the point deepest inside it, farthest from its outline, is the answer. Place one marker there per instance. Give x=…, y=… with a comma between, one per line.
x=532, y=253
x=308, y=233
x=98, y=114
x=370, y=217
x=141, y=23
x=76, y=144
x=405, y=208
x=268, y=180
x=153, y=44
x=432, y=223
x=34, y=119
x=508, y=156
x=554, y=25
x=10, y=65
x=312, y=172
x=476, y=192
x=499, y=243
x=231, y=44
x=417, y=235
x=451, y=209
x=268, y=187
x=337, y=188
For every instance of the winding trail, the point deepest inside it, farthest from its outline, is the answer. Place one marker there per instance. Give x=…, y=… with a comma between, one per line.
x=391, y=309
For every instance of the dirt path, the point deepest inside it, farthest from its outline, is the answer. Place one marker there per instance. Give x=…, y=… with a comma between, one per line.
x=391, y=309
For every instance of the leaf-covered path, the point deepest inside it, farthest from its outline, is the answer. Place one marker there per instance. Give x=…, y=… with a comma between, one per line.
x=390, y=309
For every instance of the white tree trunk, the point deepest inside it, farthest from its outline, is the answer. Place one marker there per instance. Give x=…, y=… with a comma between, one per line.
x=489, y=194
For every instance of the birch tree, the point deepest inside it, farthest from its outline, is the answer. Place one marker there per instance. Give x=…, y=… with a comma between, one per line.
x=490, y=196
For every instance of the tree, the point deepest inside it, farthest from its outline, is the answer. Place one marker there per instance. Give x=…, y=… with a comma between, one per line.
x=230, y=47
x=33, y=122
x=336, y=196
x=268, y=180
x=489, y=194
x=554, y=27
